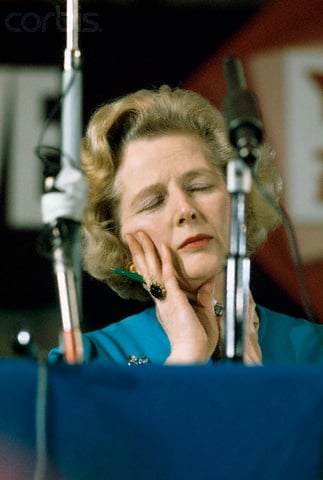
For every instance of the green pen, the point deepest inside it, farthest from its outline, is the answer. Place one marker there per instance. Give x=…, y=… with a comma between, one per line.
x=218, y=307
x=125, y=273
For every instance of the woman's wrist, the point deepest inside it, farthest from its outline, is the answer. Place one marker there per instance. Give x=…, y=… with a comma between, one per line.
x=187, y=354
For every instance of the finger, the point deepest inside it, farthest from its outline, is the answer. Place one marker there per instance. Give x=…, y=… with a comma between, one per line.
x=137, y=253
x=152, y=258
x=148, y=264
x=168, y=272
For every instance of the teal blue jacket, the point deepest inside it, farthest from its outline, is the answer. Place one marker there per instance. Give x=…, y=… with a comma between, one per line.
x=282, y=339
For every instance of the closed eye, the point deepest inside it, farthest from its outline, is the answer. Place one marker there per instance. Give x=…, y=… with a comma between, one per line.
x=197, y=187
x=199, y=182
x=151, y=203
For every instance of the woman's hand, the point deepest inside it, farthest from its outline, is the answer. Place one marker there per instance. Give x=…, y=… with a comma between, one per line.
x=191, y=326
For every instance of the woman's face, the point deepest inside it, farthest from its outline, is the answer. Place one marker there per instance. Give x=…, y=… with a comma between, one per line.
x=170, y=190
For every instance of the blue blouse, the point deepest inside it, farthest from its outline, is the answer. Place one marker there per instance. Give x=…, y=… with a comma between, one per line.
x=282, y=339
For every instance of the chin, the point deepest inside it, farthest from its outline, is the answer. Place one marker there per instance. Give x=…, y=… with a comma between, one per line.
x=201, y=267
x=193, y=279
x=193, y=272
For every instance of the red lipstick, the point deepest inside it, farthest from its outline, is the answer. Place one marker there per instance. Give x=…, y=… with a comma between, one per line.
x=198, y=241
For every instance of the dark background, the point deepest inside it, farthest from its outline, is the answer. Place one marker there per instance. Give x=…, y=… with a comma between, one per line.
x=124, y=46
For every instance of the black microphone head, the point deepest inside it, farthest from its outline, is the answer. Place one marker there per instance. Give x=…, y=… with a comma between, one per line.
x=240, y=107
x=234, y=74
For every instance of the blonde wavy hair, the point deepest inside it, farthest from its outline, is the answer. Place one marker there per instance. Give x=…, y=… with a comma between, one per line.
x=151, y=113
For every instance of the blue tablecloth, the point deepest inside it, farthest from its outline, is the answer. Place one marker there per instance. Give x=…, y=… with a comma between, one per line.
x=151, y=422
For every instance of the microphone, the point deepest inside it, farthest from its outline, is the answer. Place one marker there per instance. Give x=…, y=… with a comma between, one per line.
x=241, y=112
x=65, y=196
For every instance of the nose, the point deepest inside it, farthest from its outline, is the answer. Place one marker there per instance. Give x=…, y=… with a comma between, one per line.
x=183, y=208
x=186, y=214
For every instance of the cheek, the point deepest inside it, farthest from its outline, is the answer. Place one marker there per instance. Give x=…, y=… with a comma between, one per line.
x=153, y=228
x=226, y=215
x=221, y=219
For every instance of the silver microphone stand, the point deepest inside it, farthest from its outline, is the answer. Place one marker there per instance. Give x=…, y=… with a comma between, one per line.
x=64, y=198
x=245, y=134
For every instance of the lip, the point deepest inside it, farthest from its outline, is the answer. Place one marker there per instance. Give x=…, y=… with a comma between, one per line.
x=198, y=241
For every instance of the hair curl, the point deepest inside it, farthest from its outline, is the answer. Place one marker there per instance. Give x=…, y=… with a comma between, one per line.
x=150, y=113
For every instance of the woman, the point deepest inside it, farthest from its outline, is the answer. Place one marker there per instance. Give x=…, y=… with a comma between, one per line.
x=158, y=208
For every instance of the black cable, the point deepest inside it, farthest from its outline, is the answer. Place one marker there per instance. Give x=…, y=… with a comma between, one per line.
x=51, y=167
x=294, y=249
x=41, y=421
x=41, y=150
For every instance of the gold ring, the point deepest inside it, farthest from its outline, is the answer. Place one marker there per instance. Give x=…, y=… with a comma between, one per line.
x=157, y=290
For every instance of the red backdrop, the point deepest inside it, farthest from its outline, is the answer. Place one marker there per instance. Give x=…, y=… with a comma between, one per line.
x=280, y=24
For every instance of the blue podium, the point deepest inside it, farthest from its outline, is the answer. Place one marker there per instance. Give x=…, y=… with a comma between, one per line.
x=97, y=421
